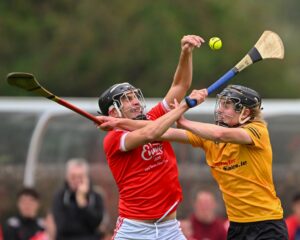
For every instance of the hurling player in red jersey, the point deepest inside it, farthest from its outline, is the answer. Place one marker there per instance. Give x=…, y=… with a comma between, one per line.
x=145, y=170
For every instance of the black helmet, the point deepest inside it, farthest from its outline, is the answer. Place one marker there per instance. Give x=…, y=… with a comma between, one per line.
x=241, y=96
x=112, y=96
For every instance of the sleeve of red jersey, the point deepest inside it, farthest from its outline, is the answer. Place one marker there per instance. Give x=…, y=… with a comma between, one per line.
x=157, y=111
x=113, y=142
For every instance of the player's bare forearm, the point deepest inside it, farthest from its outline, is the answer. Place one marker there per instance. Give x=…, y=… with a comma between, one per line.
x=184, y=71
x=131, y=125
x=110, y=123
x=175, y=135
x=204, y=130
x=217, y=133
x=157, y=128
x=183, y=75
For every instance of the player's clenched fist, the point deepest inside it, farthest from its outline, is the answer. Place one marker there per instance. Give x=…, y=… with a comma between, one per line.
x=199, y=95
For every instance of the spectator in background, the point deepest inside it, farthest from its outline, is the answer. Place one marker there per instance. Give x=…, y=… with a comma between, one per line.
x=293, y=221
x=77, y=208
x=204, y=224
x=26, y=224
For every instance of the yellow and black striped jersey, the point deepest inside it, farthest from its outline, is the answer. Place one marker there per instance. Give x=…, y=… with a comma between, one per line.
x=244, y=175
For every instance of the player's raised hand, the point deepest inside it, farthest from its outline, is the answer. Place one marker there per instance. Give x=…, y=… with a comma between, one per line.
x=181, y=118
x=107, y=123
x=199, y=95
x=84, y=186
x=82, y=191
x=188, y=42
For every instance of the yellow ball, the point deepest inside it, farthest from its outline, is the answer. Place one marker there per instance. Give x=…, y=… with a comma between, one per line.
x=215, y=43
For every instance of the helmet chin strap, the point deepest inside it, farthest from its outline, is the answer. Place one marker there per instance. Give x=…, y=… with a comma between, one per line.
x=242, y=121
x=140, y=117
x=226, y=125
x=221, y=124
x=117, y=109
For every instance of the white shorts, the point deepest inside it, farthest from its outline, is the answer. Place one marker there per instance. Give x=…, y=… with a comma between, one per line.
x=127, y=229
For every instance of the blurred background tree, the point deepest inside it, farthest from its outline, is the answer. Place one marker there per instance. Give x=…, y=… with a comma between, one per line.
x=79, y=48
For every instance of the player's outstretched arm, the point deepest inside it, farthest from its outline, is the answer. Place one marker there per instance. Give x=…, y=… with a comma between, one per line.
x=183, y=76
x=110, y=123
x=215, y=133
x=175, y=135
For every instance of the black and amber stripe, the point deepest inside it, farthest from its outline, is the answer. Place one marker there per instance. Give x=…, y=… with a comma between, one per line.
x=254, y=132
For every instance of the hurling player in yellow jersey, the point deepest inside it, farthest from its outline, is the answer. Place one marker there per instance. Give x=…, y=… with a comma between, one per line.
x=239, y=153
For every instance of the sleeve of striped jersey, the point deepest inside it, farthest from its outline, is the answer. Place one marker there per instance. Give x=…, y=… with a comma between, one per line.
x=257, y=132
x=194, y=140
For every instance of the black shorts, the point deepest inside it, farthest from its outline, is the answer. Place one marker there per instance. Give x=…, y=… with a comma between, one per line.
x=264, y=230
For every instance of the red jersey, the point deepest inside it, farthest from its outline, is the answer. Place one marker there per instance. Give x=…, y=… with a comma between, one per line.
x=147, y=176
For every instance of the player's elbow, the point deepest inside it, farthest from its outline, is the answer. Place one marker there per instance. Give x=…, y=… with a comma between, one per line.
x=184, y=86
x=219, y=136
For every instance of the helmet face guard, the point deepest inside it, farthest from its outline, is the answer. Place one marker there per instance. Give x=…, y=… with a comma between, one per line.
x=128, y=97
x=239, y=97
x=222, y=103
x=117, y=94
